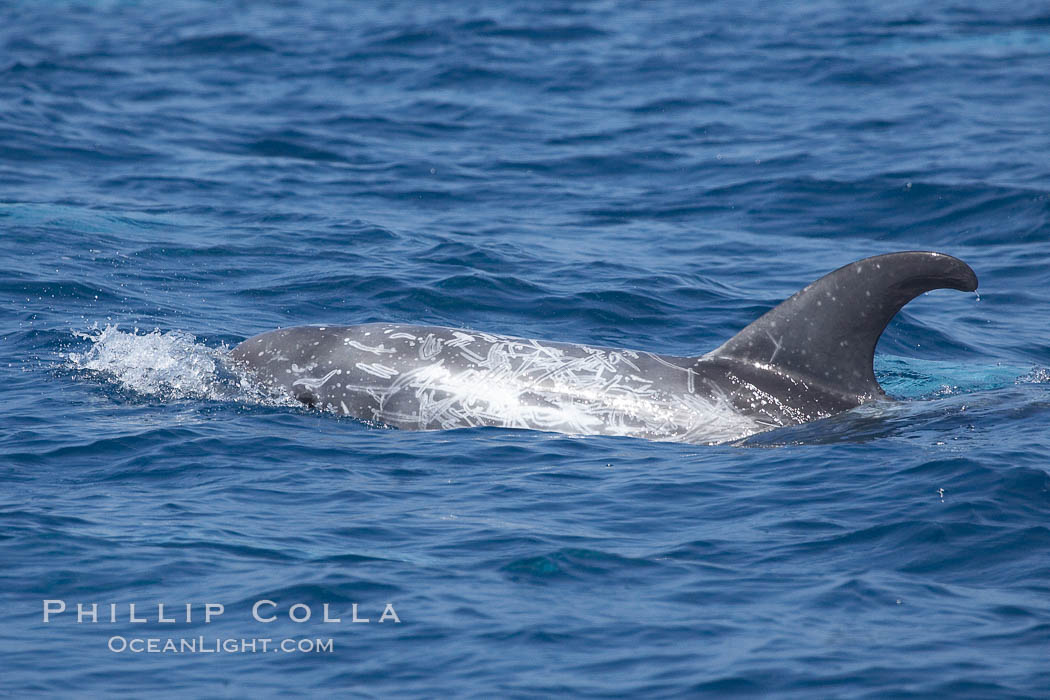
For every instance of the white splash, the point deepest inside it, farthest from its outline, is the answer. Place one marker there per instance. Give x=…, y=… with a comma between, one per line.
x=168, y=365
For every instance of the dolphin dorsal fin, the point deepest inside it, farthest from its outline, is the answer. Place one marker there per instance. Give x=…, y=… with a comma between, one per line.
x=827, y=332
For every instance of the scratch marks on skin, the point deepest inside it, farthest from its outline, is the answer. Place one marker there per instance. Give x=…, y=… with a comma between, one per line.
x=436, y=378
x=377, y=370
x=617, y=358
x=313, y=383
x=472, y=357
x=460, y=339
x=431, y=347
x=777, y=344
x=518, y=383
x=690, y=378
x=374, y=349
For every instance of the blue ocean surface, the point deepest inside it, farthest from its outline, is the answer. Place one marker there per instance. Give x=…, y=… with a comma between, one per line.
x=176, y=177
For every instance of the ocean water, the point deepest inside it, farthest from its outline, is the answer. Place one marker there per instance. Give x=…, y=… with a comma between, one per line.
x=176, y=177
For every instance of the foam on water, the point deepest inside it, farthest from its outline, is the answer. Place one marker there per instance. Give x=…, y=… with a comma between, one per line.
x=912, y=378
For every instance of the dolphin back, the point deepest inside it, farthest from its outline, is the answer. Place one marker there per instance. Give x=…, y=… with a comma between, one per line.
x=826, y=333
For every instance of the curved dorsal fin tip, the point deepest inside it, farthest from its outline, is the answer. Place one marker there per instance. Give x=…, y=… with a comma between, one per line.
x=835, y=322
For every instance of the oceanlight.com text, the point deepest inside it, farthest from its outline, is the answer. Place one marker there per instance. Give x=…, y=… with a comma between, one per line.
x=218, y=645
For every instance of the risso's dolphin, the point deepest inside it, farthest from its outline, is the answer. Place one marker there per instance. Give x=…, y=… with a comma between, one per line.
x=808, y=358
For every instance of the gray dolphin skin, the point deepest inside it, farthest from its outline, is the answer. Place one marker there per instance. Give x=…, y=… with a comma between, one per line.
x=806, y=359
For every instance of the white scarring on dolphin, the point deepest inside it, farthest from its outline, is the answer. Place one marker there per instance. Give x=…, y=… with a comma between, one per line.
x=808, y=358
